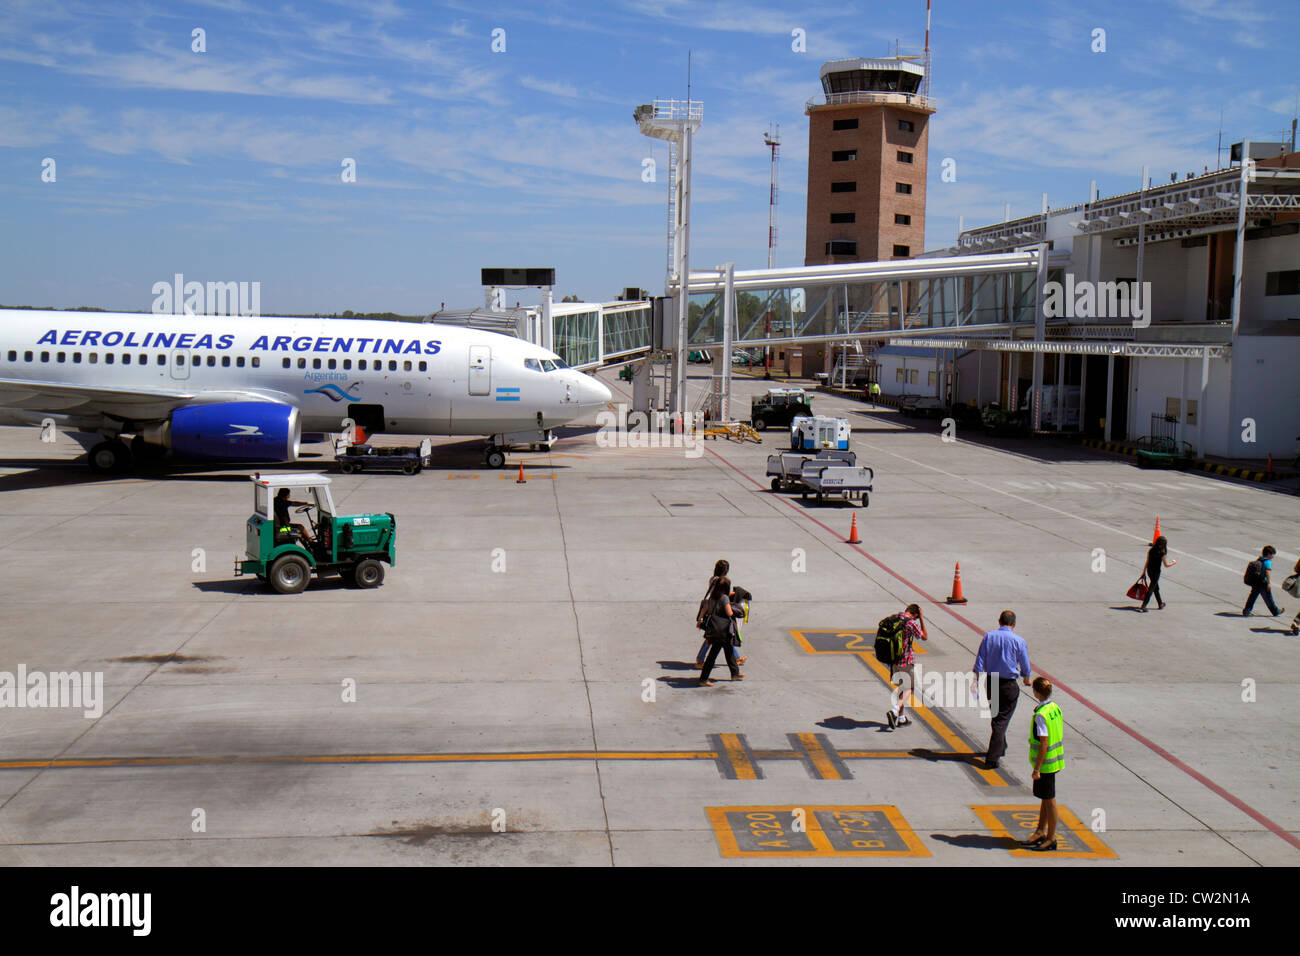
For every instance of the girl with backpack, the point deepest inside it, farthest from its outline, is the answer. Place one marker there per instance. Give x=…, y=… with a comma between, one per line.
x=913, y=629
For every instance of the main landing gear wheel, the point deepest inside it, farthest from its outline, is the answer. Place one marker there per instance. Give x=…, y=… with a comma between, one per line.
x=494, y=458
x=290, y=574
x=110, y=457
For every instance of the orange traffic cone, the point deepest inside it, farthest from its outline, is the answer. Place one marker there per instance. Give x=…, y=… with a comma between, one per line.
x=521, y=479
x=956, y=597
x=1156, y=534
x=853, y=531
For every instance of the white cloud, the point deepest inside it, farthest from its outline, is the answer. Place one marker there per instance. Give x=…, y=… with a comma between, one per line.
x=553, y=87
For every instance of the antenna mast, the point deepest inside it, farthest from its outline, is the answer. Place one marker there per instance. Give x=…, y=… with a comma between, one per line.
x=925, y=62
x=772, y=140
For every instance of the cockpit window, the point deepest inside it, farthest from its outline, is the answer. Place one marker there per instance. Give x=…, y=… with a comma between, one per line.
x=533, y=364
x=548, y=365
x=560, y=364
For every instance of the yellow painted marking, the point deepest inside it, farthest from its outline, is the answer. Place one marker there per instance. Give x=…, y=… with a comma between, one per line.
x=856, y=642
x=873, y=754
x=88, y=762
x=776, y=839
x=1070, y=833
x=736, y=756
x=820, y=759
x=937, y=724
x=932, y=719
x=462, y=477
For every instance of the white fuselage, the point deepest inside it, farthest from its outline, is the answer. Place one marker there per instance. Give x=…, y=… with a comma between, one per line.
x=429, y=379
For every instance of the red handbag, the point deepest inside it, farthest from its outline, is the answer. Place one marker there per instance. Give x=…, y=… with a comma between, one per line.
x=1139, y=590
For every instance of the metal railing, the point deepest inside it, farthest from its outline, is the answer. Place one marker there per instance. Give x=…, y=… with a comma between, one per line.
x=894, y=97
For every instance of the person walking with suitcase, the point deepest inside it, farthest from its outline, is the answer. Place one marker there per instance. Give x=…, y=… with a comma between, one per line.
x=719, y=632
x=1157, y=560
x=1257, y=576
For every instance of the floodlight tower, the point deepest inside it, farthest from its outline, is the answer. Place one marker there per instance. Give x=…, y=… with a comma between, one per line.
x=772, y=140
x=676, y=122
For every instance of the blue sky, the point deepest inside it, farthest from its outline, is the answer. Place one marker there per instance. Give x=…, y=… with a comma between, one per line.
x=225, y=165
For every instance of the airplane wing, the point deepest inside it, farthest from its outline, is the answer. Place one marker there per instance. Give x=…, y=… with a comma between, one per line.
x=139, y=403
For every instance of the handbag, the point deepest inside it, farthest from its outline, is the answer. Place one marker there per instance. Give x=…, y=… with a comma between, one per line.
x=1140, y=589
x=1292, y=585
x=717, y=628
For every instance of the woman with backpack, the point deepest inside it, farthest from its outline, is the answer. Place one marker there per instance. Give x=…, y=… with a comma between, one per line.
x=719, y=630
x=720, y=569
x=1157, y=560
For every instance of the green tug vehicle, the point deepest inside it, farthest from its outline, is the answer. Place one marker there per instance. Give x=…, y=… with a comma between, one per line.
x=285, y=554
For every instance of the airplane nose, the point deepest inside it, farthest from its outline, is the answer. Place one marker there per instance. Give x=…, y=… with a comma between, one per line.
x=592, y=392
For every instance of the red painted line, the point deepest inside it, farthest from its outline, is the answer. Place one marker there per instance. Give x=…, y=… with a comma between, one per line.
x=1196, y=775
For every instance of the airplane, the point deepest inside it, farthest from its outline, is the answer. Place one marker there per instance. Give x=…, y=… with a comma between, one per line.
x=246, y=389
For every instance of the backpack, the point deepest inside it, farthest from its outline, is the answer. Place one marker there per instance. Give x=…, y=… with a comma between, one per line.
x=1254, y=573
x=889, y=639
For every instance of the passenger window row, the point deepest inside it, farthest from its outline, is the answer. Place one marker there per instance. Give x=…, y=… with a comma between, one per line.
x=211, y=361
x=376, y=365
x=140, y=358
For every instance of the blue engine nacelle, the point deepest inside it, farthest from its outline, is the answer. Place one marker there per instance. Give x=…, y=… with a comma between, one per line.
x=236, y=431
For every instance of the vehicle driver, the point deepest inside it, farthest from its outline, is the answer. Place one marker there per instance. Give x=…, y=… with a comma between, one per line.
x=283, y=524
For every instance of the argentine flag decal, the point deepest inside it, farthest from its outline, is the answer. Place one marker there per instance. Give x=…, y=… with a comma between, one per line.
x=508, y=395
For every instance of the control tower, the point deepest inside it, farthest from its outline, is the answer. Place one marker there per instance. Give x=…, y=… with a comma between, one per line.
x=867, y=141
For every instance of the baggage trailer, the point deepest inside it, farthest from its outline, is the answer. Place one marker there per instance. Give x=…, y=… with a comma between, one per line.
x=408, y=459
x=786, y=469
x=827, y=479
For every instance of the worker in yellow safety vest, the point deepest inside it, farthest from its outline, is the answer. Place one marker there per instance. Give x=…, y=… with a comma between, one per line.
x=1046, y=757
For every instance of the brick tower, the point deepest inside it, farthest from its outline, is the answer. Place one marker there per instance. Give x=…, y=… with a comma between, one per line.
x=867, y=141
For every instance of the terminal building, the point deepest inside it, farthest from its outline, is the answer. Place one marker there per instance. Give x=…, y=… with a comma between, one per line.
x=1188, y=361
x=1171, y=311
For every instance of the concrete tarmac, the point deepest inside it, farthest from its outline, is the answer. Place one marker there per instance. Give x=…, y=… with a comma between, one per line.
x=524, y=689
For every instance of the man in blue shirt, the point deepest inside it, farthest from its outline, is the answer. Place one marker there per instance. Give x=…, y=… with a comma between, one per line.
x=1003, y=655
